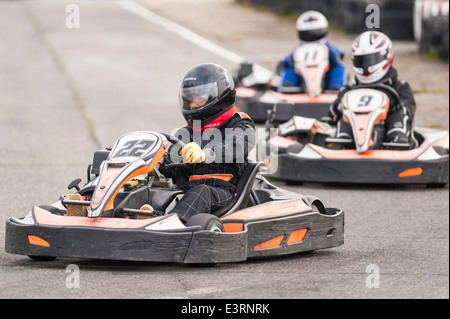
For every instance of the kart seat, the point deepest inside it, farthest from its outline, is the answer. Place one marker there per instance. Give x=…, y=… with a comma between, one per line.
x=160, y=198
x=243, y=190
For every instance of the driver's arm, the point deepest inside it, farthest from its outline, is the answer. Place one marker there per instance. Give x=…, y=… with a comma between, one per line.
x=406, y=94
x=235, y=146
x=335, y=111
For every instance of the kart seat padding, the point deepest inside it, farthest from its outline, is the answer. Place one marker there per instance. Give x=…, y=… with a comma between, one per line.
x=243, y=190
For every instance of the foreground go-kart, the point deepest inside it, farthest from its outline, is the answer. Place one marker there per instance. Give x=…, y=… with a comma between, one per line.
x=307, y=150
x=262, y=220
x=256, y=93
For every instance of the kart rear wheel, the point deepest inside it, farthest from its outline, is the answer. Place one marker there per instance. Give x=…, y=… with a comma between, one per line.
x=206, y=222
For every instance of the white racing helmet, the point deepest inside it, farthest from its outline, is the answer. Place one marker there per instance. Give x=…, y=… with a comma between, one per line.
x=372, y=56
x=312, y=26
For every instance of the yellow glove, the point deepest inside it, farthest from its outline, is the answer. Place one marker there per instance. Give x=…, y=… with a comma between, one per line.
x=192, y=153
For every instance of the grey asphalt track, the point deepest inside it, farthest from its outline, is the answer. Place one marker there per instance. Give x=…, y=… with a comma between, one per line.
x=65, y=93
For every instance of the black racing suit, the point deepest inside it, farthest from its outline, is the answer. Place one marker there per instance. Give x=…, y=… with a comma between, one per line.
x=400, y=117
x=226, y=147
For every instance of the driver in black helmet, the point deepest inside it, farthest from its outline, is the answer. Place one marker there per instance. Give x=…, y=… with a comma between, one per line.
x=217, y=140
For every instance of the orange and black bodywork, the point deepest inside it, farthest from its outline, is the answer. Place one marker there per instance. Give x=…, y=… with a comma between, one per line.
x=247, y=235
x=262, y=220
x=309, y=150
x=316, y=161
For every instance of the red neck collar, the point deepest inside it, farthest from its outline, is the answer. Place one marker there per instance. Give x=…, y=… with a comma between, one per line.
x=215, y=122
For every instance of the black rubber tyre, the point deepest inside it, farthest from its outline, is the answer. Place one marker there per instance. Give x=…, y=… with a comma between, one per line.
x=42, y=258
x=206, y=222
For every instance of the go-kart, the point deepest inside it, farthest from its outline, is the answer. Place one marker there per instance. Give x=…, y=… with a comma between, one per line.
x=262, y=219
x=306, y=149
x=256, y=91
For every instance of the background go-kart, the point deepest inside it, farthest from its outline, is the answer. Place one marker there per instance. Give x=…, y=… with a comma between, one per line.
x=66, y=92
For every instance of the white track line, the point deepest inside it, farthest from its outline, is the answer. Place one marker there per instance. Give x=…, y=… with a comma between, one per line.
x=187, y=34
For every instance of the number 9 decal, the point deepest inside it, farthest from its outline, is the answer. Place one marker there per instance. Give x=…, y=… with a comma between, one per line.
x=365, y=100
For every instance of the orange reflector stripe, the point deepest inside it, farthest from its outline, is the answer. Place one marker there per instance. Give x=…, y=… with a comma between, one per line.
x=274, y=242
x=35, y=240
x=411, y=172
x=368, y=153
x=297, y=236
x=225, y=177
x=233, y=227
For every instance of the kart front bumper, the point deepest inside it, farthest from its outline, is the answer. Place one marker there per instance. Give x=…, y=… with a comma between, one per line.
x=189, y=245
x=125, y=244
x=358, y=171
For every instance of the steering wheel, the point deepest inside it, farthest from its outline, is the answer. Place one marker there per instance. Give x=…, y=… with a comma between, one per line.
x=384, y=88
x=172, y=139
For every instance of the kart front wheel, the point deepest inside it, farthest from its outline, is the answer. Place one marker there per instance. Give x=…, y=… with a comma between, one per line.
x=206, y=222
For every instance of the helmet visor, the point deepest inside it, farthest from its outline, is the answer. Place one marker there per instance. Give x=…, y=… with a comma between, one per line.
x=196, y=97
x=366, y=61
x=312, y=35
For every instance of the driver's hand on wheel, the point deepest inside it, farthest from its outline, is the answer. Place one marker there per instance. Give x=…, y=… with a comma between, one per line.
x=192, y=153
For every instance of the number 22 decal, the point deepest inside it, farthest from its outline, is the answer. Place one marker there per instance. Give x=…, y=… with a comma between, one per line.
x=134, y=148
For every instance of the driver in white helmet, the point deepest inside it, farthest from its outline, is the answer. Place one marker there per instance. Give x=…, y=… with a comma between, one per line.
x=372, y=57
x=312, y=27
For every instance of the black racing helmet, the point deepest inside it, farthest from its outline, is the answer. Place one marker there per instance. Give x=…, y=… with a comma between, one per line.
x=206, y=92
x=312, y=26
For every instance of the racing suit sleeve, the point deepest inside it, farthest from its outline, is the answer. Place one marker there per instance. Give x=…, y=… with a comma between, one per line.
x=231, y=145
x=335, y=111
x=287, y=62
x=407, y=98
x=234, y=147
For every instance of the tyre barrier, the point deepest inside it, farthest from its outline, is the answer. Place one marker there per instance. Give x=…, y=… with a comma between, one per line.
x=431, y=26
x=351, y=15
x=434, y=36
